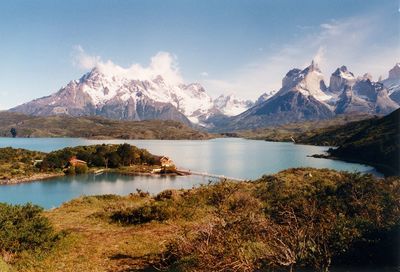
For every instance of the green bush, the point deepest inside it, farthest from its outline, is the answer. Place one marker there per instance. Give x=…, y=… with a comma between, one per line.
x=154, y=211
x=23, y=227
x=70, y=170
x=81, y=169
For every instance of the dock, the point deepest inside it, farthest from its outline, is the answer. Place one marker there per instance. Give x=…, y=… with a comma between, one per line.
x=205, y=174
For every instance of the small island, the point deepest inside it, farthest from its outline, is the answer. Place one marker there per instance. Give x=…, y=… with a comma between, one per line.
x=20, y=165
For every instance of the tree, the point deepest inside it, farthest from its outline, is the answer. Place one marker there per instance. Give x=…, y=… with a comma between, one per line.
x=113, y=159
x=126, y=153
x=13, y=132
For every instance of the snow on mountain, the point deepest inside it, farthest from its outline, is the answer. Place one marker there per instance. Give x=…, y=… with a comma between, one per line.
x=392, y=83
x=264, y=97
x=365, y=96
x=230, y=105
x=304, y=96
x=117, y=94
x=340, y=79
x=97, y=92
x=310, y=82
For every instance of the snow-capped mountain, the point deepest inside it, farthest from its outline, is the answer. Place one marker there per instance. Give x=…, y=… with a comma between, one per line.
x=340, y=80
x=361, y=94
x=309, y=82
x=230, y=105
x=392, y=83
x=304, y=96
x=120, y=97
x=367, y=97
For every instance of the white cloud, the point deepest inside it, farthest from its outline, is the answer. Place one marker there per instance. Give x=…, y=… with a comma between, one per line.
x=319, y=57
x=204, y=74
x=82, y=60
x=162, y=64
x=352, y=42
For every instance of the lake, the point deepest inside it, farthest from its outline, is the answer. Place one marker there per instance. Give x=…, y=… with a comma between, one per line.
x=233, y=157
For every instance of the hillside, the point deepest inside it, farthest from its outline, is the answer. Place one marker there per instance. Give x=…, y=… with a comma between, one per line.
x=228, y=226
x=302, y=132
x=95, y=127
x=374, y=141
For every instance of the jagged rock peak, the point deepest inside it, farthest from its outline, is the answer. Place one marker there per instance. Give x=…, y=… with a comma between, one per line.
x=313, y=67
x=394, y=73
x=343, y=72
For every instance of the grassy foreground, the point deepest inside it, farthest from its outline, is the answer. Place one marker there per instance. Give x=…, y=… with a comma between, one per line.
x=296, y=218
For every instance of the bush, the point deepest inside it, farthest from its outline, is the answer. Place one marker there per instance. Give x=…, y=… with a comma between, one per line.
x=81, y=169
x=23, y=227
x=153, y=211
x=70, y=171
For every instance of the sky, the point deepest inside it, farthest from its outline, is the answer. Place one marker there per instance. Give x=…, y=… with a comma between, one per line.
x=229, y=46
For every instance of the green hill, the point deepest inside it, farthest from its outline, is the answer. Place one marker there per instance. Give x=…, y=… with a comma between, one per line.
x=95, y=127
x=301, y=132
x=374, y=141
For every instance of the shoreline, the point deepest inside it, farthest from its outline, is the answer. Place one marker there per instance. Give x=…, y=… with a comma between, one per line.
x=46, y=176
x=33, y=178
x=379, y=168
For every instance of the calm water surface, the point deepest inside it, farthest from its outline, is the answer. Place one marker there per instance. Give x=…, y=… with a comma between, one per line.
x=233, y=157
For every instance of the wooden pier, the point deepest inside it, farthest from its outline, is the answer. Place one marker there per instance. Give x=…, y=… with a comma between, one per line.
x=205, y=174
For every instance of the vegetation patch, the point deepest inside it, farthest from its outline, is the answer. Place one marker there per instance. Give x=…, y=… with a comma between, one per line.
x=24, y=228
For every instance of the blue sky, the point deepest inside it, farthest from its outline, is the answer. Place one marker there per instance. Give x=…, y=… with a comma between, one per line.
x=241, y=47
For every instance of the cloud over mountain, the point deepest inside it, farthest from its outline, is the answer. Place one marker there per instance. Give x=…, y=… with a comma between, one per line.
x=161, y=64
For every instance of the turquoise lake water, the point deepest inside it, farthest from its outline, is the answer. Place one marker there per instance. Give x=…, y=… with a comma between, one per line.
x=233, y=157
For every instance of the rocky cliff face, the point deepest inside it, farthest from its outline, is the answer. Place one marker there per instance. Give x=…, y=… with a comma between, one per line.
x=365, y=96
x=392, y=83
x=340, y=79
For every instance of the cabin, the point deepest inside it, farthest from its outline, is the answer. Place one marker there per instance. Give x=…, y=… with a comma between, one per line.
x=37, y=162
x=166, y=162
x=73, y=161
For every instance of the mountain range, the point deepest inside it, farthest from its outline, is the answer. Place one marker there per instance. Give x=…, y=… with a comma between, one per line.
x=303, y=96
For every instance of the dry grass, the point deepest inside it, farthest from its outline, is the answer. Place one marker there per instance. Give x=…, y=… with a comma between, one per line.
x=94, y=243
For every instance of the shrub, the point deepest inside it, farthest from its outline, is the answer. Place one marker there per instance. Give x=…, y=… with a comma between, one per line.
x=81, y=169
x=23, y=227
x=153, y=211
x=70, y=170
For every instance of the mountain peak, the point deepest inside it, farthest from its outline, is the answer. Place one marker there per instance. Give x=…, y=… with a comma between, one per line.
x=344, y=73
x=313, y=67
x=394, y=73
x=231, y=105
